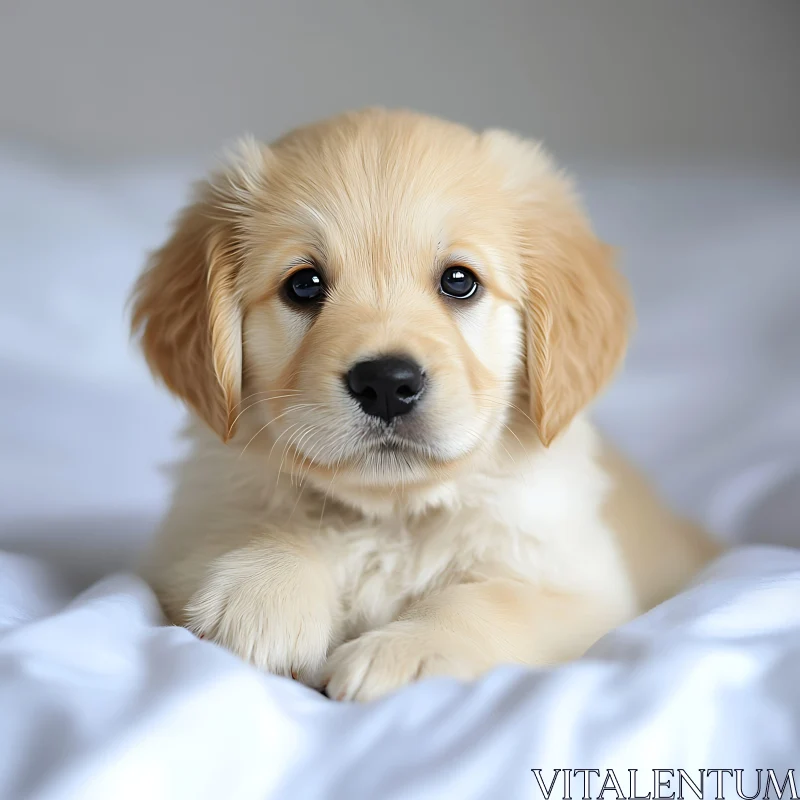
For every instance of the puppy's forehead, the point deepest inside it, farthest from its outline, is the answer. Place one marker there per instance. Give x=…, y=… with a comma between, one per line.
x=390, y=193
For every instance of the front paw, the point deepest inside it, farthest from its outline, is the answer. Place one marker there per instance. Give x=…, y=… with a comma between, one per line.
x=401, y=653
x=272, y=607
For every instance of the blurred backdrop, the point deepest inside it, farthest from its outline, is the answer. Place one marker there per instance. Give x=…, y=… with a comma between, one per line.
x=607, y=78
x=680, y=119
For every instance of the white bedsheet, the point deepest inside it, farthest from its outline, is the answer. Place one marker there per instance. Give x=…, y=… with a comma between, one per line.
x=96, y=700
x=99, y=701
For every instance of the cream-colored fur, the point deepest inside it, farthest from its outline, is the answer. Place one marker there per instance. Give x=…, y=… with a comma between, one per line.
x=491, y=524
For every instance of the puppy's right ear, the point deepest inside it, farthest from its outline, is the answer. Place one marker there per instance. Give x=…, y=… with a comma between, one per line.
x=186, y=307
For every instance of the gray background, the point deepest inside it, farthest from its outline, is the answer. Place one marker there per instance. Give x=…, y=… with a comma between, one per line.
x=596, y=79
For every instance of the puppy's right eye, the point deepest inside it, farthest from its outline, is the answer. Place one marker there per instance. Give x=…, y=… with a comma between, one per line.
x=305, y=287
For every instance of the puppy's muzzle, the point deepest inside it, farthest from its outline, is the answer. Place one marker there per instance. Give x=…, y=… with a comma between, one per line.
x=386, y=387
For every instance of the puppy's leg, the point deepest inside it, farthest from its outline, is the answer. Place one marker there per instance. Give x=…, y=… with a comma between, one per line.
x=464, y=630
x=273, y=603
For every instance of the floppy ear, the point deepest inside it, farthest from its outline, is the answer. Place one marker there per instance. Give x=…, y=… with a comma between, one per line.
x=186, y=309
x=577, y=311
x=577, y=316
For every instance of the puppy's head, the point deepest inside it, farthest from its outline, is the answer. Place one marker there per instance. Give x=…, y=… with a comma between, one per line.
x=372, y=296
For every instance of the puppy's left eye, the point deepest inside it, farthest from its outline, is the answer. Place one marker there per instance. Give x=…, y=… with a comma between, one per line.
x=458, y=282
x=305, y=286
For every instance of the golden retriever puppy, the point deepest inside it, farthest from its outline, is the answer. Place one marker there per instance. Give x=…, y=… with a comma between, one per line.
x=387, y=327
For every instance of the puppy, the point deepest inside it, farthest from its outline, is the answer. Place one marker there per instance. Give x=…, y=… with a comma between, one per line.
x=387, y=328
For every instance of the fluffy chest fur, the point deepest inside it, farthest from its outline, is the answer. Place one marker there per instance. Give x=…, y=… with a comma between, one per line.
x=543, y=523
x=536, y=516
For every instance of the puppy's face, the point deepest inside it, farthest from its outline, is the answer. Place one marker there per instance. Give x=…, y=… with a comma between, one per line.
x=382, y=290
x=370, y=296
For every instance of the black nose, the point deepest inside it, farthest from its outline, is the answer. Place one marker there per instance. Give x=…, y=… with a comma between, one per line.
x=386, y=387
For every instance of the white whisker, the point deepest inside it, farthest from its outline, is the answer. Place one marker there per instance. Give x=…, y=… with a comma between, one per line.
x=275, y=419
x=253, y=405
x=268, y=391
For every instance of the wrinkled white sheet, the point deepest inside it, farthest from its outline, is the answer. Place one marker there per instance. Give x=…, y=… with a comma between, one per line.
x=98, y=701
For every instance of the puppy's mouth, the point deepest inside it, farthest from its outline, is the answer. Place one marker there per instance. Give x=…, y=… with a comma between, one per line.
x=401, y=442
x=387, y=440
x=378, y=449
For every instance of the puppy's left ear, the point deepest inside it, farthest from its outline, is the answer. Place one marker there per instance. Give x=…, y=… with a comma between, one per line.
x=577, y=309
